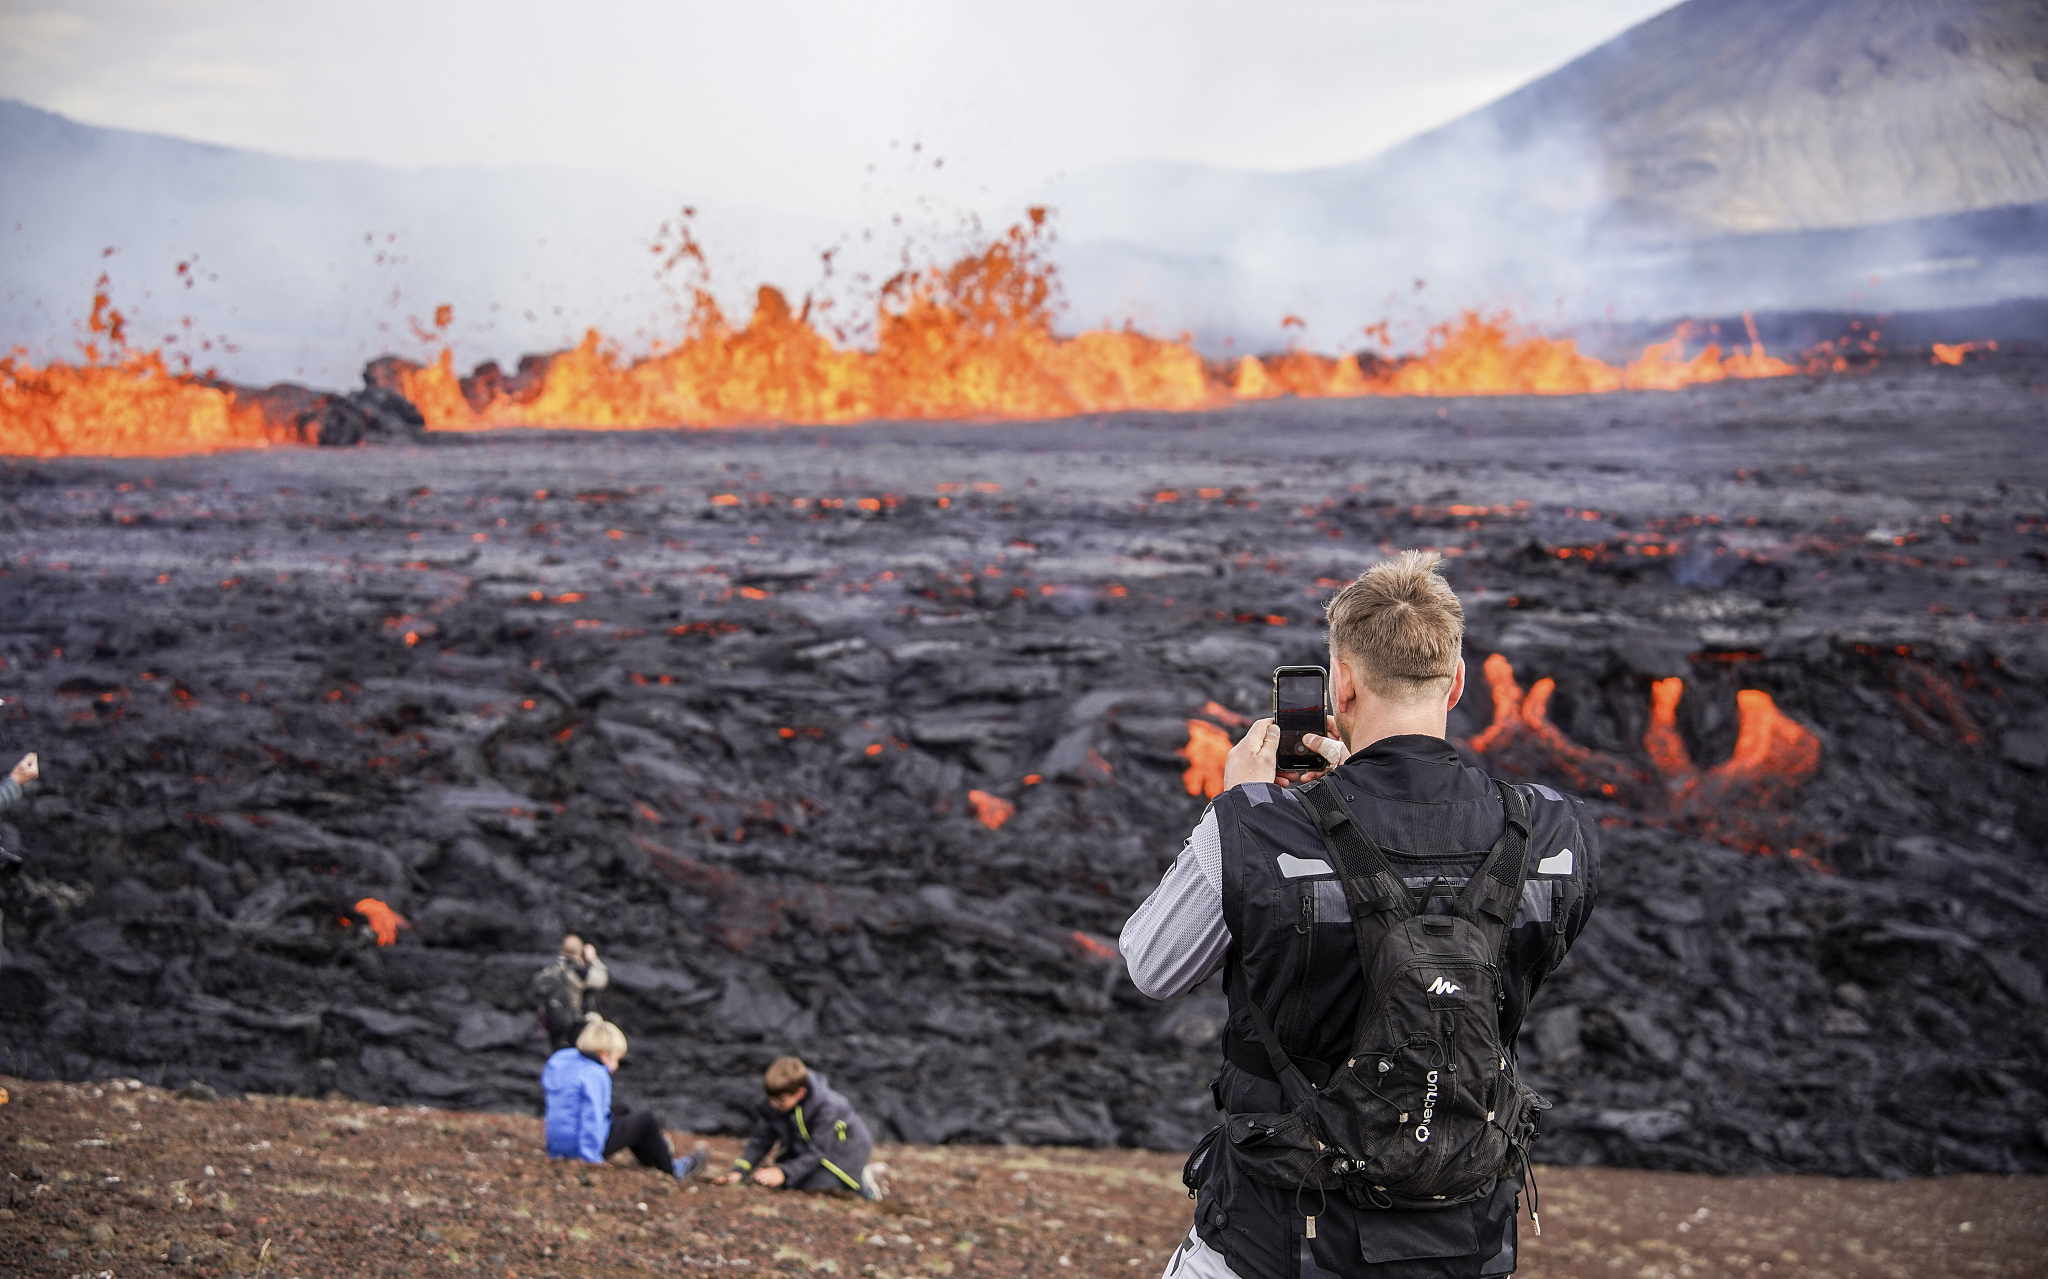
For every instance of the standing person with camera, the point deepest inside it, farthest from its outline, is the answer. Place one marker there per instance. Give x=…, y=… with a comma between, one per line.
x=1382, y=925
x=561, y=990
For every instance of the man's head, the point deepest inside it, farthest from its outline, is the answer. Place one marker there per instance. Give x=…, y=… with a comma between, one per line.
x=1396, y=635
x=786, y=1081
x=572, y=947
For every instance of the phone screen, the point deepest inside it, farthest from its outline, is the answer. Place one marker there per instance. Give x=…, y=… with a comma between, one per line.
x=1298, y=702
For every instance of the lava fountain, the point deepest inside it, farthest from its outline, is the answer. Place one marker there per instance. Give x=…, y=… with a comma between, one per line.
x=971, y=340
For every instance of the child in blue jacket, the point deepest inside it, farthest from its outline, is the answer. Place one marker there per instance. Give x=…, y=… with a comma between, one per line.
x=581, y=1123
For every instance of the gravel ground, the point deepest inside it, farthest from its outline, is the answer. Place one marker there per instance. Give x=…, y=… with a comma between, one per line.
x=104, y=1179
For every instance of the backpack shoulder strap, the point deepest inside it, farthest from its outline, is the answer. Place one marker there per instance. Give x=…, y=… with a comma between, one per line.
x=1377, y=896
x=1495, y=889
x=1370, y=885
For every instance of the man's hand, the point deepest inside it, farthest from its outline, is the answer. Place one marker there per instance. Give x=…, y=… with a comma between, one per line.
x=27, y=770
x=770, y=1176
x=589, y=953
x=1255, y=756
x=1330, y=748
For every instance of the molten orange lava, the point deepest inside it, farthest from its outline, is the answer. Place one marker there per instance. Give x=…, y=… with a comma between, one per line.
x=1771, y=749
x=993, y=810
x=1944, y=353
x=1482, y=354
x=383, y=921
x=1093, y=947
x=1207, y=746
x=1520, y=717
x=1667, y=749
x=1774, y=756
x=121, y=402
x=971, y=340
x=130, y=406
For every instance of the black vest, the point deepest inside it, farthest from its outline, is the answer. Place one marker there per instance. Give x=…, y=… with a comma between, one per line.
x=1293, y=951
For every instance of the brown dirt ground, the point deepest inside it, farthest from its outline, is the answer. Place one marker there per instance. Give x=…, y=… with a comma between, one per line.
x=98, y=1179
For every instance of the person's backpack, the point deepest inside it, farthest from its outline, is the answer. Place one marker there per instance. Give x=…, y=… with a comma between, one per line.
x=1426, y=1111
x=560, y=1003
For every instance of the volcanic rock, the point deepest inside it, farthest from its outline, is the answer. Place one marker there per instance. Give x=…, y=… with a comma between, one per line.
x=728, y=732
x=374, y=415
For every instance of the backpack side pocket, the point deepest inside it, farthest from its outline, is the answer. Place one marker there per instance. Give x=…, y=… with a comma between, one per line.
x=1197, y=1167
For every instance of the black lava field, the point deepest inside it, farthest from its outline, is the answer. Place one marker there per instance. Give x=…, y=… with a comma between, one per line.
x=718, y=700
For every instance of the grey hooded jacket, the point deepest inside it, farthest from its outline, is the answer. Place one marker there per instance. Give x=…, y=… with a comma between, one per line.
x=824, y=1143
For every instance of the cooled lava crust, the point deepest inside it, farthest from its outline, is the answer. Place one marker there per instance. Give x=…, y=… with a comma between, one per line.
x=750, y=710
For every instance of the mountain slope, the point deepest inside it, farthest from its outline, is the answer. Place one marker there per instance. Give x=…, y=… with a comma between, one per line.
x=1597, y=185
x=309, y=267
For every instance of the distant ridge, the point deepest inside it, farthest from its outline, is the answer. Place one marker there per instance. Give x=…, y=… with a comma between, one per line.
x=1633, y=177
x=1731, y=116
x=307, y=268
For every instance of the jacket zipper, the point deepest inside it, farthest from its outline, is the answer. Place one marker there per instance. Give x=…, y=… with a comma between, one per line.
x=1297, y=998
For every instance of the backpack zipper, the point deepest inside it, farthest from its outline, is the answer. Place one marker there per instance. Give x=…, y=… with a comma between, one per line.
x=1378, y=1008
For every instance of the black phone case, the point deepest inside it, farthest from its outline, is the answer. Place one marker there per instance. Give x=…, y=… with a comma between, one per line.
x=1296, y=763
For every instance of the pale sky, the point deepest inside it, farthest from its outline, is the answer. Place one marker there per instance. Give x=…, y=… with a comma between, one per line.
x=787, y=103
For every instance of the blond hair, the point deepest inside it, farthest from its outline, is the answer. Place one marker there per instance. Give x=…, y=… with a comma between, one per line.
x=784, y=1076
x=599, y=1037
x=1401, y=626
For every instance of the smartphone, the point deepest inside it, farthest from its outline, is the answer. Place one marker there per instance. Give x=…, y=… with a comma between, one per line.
x=1300, y=705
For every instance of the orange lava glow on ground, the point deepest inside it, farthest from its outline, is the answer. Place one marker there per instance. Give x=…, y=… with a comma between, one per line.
x=972, y=340
x=1774, y=756
x=976, y=341
x=1207, y=746
x=121, y=402
x=991, y=810
x=383, y=921
x=1487, y=354
x=1946, y=353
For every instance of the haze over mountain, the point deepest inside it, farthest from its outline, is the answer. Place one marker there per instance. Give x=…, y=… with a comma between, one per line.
x=310, y=267
x=1724, y=155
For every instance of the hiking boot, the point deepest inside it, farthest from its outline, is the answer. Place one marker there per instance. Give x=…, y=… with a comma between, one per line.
x=874, y=1181
x=693, y=1163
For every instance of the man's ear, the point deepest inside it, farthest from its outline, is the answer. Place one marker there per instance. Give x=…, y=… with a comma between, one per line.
x=1457, y=687
x=1343, y=688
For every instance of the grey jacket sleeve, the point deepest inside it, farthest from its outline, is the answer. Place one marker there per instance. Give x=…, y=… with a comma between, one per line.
x=596, y=976
x=10, y=792
x=762, y=1141
x=1177, y=939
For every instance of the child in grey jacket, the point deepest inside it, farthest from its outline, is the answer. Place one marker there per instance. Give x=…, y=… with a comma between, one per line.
x=823, y=1143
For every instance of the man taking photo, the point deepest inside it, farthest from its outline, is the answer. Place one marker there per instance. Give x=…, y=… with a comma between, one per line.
x=561, y=990
x=1381, y=927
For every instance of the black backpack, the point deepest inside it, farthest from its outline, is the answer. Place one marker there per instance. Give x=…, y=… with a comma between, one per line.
x=1427, y=1111
x=561, y=1011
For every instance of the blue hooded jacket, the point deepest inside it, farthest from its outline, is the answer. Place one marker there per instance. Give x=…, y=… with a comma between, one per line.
x=579, y=1093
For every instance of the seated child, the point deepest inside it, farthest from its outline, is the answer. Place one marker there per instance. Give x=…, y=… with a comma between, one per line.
x=581, y=1123
x=824, y=1144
